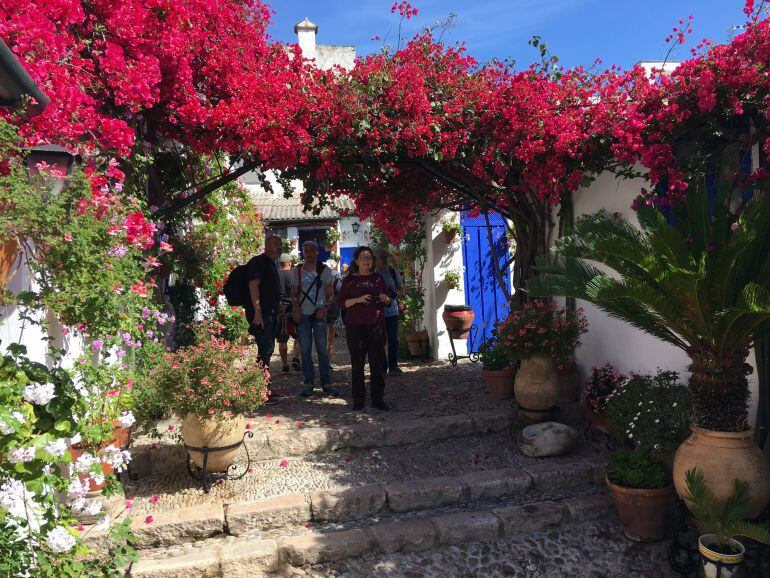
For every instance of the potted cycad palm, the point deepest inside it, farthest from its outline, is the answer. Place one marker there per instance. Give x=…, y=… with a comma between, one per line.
x=721, y=554
x=700, y=283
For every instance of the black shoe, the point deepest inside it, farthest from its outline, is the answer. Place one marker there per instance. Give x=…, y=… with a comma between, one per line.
x=285, y=369
x=358, y=407
x=381, y=405
x=295, y=364
x=395, y=371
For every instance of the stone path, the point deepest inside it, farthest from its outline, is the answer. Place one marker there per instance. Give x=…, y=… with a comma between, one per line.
x=332, y=492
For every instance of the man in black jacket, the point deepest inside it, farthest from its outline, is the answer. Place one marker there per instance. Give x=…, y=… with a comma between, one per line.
x=264, y=297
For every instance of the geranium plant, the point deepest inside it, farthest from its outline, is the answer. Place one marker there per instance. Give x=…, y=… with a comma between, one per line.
x=212, y=378
x=637, y=469
x=42, y=489
x=651, y=411
x=452, y=279
x=599, y=385
x=332, y=235
x=451, y=227
x=493, y=356
x=540, y=328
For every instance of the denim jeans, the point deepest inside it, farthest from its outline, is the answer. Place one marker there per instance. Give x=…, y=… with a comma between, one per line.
x=391, y=329
x=312, y=330
x=265, y=336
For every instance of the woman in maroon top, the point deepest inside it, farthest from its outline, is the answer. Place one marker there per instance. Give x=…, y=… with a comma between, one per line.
x=363, y=295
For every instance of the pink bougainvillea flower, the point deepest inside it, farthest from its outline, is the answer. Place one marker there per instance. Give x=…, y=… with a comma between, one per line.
x=277, y=421
x=250, y=470
x=154, y=446
x=284, y=463
x=166, y=247
x=154, y=499
x=248, y=426
x=300, y=423
x=129, y=504
x=171, y=427
x=269, y=416
x=309, y=526
x=149, y=520
x=348, y=458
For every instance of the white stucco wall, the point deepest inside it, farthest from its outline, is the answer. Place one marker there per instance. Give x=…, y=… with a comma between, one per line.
x=611, y=340
x=350, y=238
x=441, y=258
x=13, y=329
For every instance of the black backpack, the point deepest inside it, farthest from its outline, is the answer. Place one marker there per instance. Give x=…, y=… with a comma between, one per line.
x=236, y=287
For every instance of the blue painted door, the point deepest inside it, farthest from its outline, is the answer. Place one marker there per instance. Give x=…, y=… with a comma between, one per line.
x=482, y=291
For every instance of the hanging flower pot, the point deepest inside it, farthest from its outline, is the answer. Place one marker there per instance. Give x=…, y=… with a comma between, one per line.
x=8, y=252
x=217, y=432
x=537, y=386
x=450, y=236
x=458, y=320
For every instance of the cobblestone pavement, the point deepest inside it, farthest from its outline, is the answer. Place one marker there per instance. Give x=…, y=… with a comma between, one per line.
x=590, y=550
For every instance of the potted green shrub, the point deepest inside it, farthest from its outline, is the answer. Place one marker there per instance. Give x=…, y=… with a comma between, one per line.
x=651, y=412
x=598, y=387
x=699, y=283
x=497, y=369
x=641, y=490
x=331, y=237
x=452, y=279
x=210, y=385
x=450, y=227
x=543, y=339
x=721, y=554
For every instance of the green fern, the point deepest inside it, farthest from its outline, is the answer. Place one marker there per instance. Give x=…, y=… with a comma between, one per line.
x=725, y=520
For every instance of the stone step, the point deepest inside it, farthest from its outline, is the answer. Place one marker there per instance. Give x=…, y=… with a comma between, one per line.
x=150, y=455
x=379, y=501
x=257, y=555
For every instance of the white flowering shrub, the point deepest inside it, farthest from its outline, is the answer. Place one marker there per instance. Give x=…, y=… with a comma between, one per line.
x=43, y=414
x=653, y=412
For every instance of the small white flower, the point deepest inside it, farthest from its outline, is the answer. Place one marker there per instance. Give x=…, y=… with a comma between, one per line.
x=103, y=524
x=650, y=401
x=57, y=447
x=22, y=455
x=92, y=508
x=640, y=403
x=657, y=421
x=60, y=540
x=84, y=462
x=18, y=416
x=631, y=435
x=39, y=393
x=77, y=489
x=126, y=419
x=673, y=404
x=5, y=428
x=76, y=439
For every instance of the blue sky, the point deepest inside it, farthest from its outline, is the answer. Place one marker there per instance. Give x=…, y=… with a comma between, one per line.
x=619, y=32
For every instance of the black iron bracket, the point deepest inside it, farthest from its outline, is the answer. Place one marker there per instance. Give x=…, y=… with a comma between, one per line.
x=471, y=335
x=206, y=477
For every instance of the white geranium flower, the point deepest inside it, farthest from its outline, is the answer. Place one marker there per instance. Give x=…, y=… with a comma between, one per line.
x=92, y=508
x=103, y=524
x=84, y=462
x=77, y=489
x=39, y=393
x=56, y=448
x=22, y=455
x=5, y=428
x=60, y=540
x=126, y=418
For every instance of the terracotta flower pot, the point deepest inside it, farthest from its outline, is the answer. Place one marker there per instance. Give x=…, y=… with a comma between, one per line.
x=8, y=251
x=458, y=320
x=537, y=386
x=199, y=431
x=642, y=511
x=499, y=382
x=121, y=438
x=724, y=457
x=418, y=342
x=728, y=563
x=569, y=384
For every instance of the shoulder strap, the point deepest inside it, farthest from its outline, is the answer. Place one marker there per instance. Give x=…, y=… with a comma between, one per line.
x=318, y=271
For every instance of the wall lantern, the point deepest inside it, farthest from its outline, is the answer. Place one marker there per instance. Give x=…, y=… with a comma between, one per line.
x=59, y=159
x=355, y=226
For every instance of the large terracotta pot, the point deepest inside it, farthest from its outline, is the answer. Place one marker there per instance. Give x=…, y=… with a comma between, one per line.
x=718, y=565
x=724, y=457
x=458, y=320
x=569, y=384
x=8, y=251
x=499, y=382
x=199, y=431
x=418, y=342
x=642, y=511
x=537, y=386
